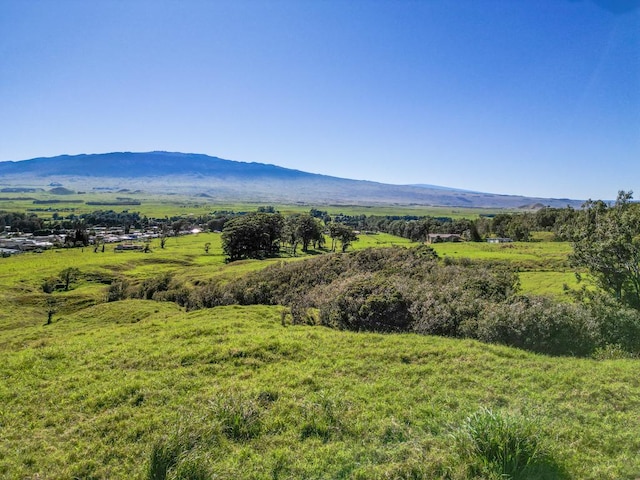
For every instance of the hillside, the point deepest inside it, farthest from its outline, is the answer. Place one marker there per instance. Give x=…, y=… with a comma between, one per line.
x=228, y=180
x=144, y=389
x=115, y=390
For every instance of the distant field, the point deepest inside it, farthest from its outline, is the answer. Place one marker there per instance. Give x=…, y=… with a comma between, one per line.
x=543, y=266
x=159, y=206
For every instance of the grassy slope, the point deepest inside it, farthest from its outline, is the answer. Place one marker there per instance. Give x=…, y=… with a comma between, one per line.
x=88, y=395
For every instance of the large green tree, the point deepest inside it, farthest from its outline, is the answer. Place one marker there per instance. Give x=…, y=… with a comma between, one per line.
x=606, y=242
x=302, y=229
x=255, y=235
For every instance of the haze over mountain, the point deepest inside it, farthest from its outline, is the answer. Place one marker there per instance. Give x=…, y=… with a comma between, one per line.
x=187, y=173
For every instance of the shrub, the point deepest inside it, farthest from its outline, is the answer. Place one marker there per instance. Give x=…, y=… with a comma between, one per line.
x=49, y=285
x=118, y=290
x=611, y=352
x=539, y=324
x=616, y=324
x=150, y=286
x=367, y=302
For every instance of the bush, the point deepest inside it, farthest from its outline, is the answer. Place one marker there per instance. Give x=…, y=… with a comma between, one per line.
x=611, y=352
x=367, y=302
x=616, y=324
x=152, y=285
x=118, y=290
x=539, y=324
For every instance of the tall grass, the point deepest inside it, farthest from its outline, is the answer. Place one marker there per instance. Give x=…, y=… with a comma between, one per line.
x=501, y=445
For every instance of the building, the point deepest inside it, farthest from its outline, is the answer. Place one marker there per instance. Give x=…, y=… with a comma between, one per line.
x=443, y=237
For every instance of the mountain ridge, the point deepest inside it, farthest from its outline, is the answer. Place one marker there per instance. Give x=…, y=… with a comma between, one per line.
x=221, y=179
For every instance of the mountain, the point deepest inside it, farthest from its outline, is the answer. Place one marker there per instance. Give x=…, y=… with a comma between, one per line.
x=228, y=180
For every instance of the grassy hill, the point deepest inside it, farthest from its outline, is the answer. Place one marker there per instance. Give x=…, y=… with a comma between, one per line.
x=113, y=390
x=142, y=389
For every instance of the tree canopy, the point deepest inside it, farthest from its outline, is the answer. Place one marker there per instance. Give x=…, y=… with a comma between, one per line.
x=606, y=241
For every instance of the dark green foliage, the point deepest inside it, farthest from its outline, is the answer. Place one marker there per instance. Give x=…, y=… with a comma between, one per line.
x=118, y=290
x=615, y=325
x=369, y=303
x=606, y=241
x=303, y=229
x=68, y=275
x=49, y=285
x=20, y=222
x=255, y=235
x=540, y=325
x=151, y=286
x=343, y=234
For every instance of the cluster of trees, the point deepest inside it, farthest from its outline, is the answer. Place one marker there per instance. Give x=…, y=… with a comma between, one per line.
x=606, y=242
x=20, y=222
x=260, y=235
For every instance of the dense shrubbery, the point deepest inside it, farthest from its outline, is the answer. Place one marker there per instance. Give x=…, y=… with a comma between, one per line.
x=539, y=324
x=410, y=290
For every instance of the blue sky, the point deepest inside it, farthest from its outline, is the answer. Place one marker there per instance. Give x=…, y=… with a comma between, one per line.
x=539, y=98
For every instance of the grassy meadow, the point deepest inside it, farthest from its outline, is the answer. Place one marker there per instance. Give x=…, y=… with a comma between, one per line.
x=145, y=390
x=159, y=206
x=102, y=390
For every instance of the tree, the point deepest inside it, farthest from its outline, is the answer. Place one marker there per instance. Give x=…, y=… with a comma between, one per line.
x=343, y=234
x=163, y=235
x=69, y=275
x=606, y=241
x=255, y=235
x=304, y=228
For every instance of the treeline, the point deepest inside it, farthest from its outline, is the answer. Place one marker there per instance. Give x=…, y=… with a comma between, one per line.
x=20, y=222
x=411, y=290
x=517, y=226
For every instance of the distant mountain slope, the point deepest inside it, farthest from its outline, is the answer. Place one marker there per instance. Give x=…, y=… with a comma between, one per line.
x=134, y=165
x=238, y=181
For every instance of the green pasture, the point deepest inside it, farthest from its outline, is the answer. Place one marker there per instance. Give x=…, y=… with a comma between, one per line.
x=106, y=389
x=543, y=266
x=161, y=206
x=103, y=390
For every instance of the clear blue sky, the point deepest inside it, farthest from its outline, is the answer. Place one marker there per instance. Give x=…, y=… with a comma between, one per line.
x=539, y=98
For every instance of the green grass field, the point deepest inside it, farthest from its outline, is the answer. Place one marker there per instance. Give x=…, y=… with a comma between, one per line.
x=109, y=390
x=97, y=392
x=159, y=206
x=543, y=266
